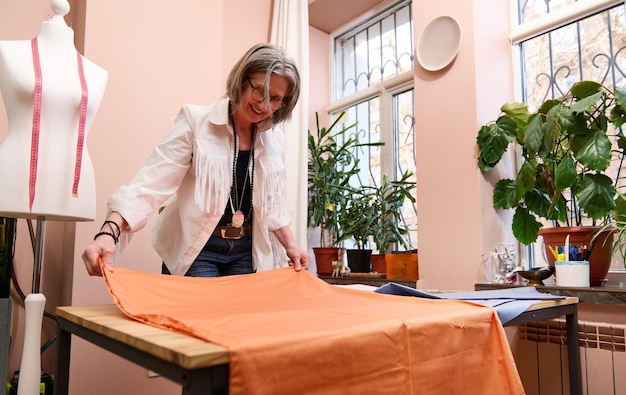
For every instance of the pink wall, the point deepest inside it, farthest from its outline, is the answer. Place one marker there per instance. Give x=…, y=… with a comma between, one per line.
x=449, y=105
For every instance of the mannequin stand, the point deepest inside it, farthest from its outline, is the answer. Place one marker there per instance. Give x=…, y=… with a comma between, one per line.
x=34, y=304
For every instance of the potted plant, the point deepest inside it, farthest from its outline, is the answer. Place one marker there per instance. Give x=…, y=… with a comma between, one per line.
x=331, y=165
x=618, y=226
x=566, y=150
x=389, y=198
x=357, y=219
x=373, y=214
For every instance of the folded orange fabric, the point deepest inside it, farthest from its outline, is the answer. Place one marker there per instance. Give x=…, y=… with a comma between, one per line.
x=292, y=333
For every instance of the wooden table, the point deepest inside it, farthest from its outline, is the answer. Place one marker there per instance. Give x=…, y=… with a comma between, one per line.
x=199, y=365
x=196, y=364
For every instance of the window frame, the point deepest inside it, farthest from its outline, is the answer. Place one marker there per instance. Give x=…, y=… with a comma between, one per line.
x=383, y=90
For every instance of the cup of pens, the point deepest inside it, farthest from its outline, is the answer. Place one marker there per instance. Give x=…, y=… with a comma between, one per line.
x=571, y=264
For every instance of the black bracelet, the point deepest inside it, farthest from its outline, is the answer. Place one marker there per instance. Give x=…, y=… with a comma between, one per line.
x=119, y=231
x=108, y=234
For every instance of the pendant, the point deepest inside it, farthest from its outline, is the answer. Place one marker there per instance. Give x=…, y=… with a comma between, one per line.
x=237, y=219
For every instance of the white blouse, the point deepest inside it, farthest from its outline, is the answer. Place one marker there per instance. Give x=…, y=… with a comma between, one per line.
x=189, y=172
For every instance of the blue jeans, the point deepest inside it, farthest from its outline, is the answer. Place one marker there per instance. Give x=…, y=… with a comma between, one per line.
x=221, y=257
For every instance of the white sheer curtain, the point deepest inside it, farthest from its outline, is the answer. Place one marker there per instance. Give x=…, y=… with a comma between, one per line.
x=290, y=30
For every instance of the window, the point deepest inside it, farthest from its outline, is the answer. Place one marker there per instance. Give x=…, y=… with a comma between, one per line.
x=373, y=83
x=561, y=42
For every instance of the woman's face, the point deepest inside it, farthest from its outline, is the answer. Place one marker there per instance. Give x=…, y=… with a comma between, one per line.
x=254, y=104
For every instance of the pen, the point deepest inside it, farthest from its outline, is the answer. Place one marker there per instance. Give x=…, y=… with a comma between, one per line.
x=554, y=252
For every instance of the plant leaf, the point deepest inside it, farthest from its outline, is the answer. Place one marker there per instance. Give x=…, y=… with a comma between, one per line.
x=540, y=203
x=593, y=150
x=584, y=89
x=565, y=174
x=525, y=226
x=557, y=119
x=586, y=103
x=618, y=112
x=505, y=194
x=619, y=212
x=493, y=140
x=534, y=134
x=526, y=178
x=595, y=195
x=518, y=112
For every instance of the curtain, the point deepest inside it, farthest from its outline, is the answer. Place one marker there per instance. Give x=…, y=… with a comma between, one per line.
x=290, y=30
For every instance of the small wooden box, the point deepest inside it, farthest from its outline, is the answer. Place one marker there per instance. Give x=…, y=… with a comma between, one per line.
x=402, y=266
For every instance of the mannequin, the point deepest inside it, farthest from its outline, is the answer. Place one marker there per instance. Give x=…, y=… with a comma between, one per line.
x=45, y=187
x=51, y=95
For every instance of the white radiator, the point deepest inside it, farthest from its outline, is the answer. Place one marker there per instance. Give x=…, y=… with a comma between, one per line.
x=541, y=357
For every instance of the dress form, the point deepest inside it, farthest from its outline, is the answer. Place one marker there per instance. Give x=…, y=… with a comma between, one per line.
x=59, y=124
x=59, y=118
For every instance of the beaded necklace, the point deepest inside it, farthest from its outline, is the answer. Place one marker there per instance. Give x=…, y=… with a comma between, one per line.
x=238, y=217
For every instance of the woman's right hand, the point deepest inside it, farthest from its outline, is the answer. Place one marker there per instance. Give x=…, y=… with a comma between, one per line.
x=102, y=249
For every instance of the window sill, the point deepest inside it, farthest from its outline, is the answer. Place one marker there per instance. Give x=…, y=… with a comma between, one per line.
x=608, y=294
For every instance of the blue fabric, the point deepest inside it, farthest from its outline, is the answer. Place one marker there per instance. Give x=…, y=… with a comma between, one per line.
x=508, y=303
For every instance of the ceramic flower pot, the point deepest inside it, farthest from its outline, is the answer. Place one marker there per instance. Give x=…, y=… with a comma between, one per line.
x=601, y=249
x=402, y=265
x=324, y=257
x=379, y=263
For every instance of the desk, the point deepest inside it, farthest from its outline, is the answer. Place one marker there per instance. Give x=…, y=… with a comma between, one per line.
x=195, y=364
x=547, y=309
x=199, y=365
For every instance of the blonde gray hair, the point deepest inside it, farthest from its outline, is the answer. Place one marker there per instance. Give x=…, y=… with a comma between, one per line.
x=267, y=59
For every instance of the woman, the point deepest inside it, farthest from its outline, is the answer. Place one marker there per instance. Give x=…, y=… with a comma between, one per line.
x=219, y=178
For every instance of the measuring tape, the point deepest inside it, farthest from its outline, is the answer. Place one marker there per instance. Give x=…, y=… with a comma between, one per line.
x=34, y=149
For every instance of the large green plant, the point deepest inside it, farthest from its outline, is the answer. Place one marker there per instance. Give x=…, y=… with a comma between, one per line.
x=375, y=212
x=331, y=165
x=566, y=149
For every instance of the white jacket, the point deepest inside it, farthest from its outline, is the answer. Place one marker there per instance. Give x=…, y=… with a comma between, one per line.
x=189, y=172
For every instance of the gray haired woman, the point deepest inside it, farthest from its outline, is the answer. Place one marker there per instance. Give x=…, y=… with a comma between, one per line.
x=219, y=179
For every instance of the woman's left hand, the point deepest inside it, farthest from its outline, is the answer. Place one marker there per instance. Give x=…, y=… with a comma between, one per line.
x=298, y=259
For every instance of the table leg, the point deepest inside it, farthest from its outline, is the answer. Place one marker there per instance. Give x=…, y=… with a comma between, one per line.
x=573, y=353
x=62, y=363
x=202, y=382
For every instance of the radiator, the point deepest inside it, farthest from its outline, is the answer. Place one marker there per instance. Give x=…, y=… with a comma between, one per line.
x=541, y=357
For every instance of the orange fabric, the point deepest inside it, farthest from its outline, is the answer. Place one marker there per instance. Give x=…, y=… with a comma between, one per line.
x=291, y=333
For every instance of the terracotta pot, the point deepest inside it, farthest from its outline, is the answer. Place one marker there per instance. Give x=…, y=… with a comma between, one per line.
x=402, y=266
x=379, y=263
x=324, y=257
x=601, y=254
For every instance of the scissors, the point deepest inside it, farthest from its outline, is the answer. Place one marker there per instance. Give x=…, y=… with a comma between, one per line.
x=505, y=249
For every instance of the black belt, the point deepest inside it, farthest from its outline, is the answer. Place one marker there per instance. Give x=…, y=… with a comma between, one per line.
x=231, y=233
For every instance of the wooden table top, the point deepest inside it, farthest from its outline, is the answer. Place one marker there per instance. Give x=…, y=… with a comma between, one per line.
x=547, y=303
x=185, y=351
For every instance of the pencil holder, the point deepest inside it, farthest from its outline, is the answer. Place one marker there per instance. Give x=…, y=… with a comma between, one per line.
x=572, y=273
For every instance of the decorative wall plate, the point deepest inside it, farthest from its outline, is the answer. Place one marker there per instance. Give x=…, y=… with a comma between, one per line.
x=439, y=43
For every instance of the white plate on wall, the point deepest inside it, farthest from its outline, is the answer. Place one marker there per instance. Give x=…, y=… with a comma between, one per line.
x=439, y=43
